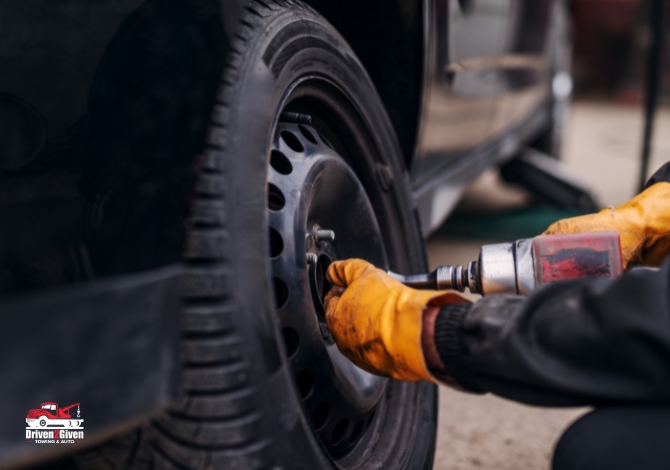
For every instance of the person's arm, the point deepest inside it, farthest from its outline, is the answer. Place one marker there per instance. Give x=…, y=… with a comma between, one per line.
x=585, y=342
x=571, y=343
x=376, y=321
x=431, y=355
x=643, y=223
x=661, y=175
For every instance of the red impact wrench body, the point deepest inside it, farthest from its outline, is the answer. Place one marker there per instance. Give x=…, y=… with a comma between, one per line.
x=519, y=267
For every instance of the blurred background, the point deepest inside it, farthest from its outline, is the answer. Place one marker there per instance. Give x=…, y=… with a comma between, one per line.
x=602, y=148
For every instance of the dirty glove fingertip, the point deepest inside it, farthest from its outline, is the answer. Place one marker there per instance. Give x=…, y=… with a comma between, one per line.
x=335, y=274
x=331, y=299
x=343, y=273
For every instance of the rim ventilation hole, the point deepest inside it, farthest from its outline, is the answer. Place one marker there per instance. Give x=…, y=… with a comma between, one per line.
x=281, y=293
x=280, y=163
x=276, y=199
x=276, y=243
x=339, y=431
x=307, y=133
x=327, y=142
x=292, y=141
x=370, y=419
x=305, y=383
x=291, y=340
x=320, y=415
x=355, y=434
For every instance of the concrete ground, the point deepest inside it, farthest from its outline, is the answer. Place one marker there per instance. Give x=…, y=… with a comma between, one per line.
x=475, y=432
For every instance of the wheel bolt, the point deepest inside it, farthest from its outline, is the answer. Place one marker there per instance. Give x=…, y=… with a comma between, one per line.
x=325, y=333
x=295, y=117
x=311, y=258
x=325, y=235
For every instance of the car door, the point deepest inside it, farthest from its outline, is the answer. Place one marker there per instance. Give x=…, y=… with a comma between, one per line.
x=461, y=45
x=462, y=42
x=521, y=72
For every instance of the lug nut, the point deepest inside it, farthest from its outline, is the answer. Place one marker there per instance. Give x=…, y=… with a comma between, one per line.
x=311, y=258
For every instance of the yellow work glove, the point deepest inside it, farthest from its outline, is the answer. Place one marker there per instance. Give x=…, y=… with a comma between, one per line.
x=643, y=224
x=376, y=321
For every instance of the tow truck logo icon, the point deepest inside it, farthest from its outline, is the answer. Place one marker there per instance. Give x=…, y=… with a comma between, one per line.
x=50, y=416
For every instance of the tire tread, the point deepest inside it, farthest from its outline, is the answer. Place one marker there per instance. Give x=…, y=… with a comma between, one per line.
x=217, y=424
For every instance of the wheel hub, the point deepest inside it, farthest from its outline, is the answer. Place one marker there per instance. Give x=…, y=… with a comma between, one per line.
x=319, y=213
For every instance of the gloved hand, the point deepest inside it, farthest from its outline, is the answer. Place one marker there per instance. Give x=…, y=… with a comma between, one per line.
x=643, y=224
x=376, y=321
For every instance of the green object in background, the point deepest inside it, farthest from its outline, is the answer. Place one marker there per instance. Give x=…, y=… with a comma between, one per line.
x=505, y=226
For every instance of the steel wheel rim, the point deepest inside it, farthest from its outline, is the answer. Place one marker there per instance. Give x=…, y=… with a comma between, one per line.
x=340, y=400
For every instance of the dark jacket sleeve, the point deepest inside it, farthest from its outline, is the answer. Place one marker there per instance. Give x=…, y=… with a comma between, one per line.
x=661, y=175
x=586, y=342
x=583, y=342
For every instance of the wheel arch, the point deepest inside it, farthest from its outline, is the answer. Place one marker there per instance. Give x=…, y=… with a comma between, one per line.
x=387, y=36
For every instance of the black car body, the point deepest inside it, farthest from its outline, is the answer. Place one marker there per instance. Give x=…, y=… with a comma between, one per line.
x=122, y=238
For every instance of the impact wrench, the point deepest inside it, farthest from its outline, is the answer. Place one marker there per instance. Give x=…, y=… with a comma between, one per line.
x=519, y=267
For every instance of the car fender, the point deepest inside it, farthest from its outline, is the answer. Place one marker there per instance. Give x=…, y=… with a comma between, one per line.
x=387, y=36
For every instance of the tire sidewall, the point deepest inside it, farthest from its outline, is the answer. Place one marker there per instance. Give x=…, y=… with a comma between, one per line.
x=252, y=104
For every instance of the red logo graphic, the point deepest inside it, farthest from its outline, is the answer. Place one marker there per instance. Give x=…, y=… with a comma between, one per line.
x=51, y=424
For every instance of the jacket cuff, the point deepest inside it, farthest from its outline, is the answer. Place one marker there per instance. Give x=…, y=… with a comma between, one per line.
x=661, y=175
x=451, y=346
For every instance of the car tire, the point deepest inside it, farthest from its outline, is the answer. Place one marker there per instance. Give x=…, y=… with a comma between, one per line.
x=43, y=423
x=243, y=405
